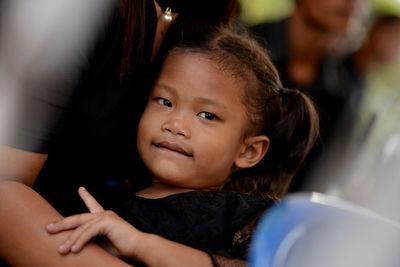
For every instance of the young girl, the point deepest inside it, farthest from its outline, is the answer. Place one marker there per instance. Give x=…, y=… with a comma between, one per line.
x=214, y=112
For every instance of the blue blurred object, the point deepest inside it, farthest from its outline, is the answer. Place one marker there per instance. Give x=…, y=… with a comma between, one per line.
x=316, y=230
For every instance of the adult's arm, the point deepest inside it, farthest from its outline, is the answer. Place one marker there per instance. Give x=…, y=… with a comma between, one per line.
x=19, y=165
x=24, y=240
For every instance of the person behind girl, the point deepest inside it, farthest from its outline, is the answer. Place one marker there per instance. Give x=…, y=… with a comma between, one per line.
x=221, y=139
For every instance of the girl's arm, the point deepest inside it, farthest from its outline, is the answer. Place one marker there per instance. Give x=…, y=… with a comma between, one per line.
x=158, y=251
x=24, y=240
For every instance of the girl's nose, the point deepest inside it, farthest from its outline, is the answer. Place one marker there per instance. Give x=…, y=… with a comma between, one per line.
x=176, y=126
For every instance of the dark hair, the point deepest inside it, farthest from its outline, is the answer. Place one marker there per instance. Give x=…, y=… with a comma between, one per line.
x=133, y=14
x=194, y=16
x=288, y=117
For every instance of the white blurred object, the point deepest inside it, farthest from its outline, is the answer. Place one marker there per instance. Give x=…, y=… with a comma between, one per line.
x=41, y=37
x=43, y=45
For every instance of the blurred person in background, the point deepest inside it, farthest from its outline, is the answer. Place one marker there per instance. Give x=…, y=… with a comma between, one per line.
x=381, y=46
x=311, y=49
x=79, y=99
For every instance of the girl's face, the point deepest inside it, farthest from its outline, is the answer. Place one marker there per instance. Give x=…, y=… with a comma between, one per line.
x=193, y=128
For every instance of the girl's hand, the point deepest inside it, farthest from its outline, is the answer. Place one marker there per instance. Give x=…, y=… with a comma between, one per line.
x=123, y=236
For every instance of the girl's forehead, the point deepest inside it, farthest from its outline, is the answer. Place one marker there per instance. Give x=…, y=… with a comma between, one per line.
x=217, y=63
x=202, y=70
x=198, y=74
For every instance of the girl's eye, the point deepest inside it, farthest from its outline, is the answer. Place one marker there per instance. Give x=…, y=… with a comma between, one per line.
x=164, y=102
x=207, y=115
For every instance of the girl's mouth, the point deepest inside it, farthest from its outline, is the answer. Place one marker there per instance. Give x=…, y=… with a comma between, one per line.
x=174, y=147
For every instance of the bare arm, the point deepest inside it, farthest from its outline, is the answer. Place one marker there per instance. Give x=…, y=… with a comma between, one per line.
x=24, y=240
x=19, y=165
x=171, y=254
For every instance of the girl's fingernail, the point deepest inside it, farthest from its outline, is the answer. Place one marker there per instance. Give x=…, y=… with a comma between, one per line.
x=74, y=248
x=61, y=248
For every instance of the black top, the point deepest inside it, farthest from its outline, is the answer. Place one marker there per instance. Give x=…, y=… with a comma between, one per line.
x=219, y=223
x=94, y=143
x=336, y=90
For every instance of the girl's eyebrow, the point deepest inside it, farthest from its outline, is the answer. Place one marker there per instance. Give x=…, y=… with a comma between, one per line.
x=167, y=88
x=208, y=101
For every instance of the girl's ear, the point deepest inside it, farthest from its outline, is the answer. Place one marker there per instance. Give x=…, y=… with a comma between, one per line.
x=253, y=150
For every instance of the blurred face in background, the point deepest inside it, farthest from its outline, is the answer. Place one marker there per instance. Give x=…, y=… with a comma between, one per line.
x=385, y=41
x=333, y=16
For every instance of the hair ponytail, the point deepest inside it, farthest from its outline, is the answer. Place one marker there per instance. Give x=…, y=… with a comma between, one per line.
x=300, y=118
x=297, y=130
x=292, y=135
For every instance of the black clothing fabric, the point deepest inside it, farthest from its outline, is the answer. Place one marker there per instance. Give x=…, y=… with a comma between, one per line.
x=213, y=222
x=336, y=90
x=94, y=143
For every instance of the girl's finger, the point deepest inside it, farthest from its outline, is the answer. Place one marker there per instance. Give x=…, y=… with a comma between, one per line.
x=70, y=222
x=90, y=202
x=80, y=236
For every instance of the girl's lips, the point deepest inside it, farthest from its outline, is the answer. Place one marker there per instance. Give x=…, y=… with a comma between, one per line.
x=174, y=147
